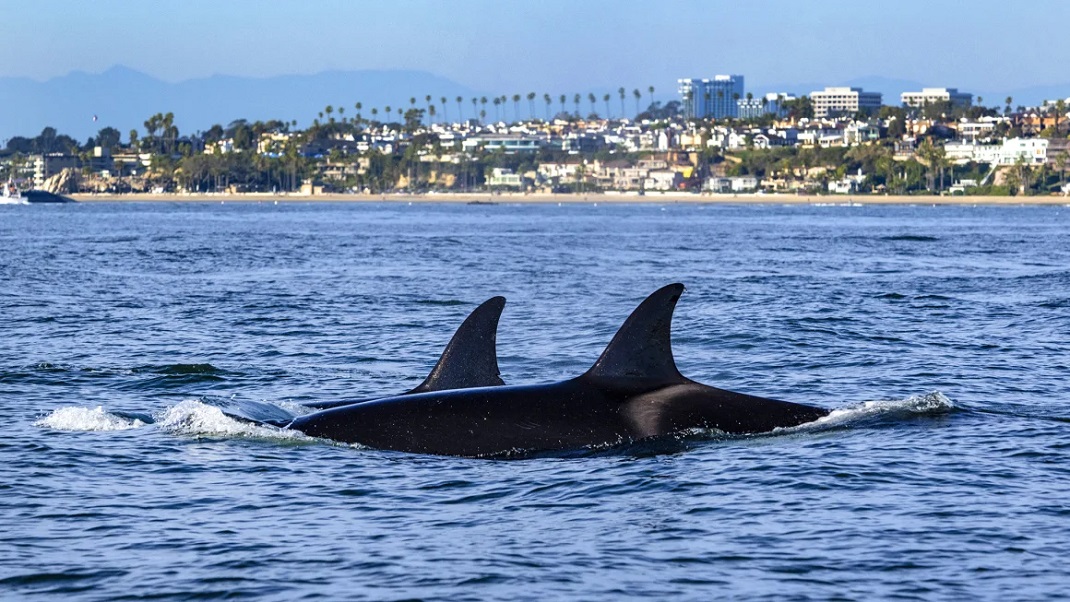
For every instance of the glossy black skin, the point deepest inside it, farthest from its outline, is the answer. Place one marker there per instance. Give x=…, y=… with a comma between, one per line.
x=632, y=393
x=577, y=413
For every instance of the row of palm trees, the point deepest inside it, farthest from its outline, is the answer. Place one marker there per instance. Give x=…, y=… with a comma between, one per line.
x=499, y=104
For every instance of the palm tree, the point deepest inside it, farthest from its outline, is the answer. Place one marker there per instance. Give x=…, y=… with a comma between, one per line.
x=475, y=101
x=375, y=113
x=651, y=91
x=638, y=97
x=516, y=107
x=498, y=108
x=460, y=112
x=621, y=92
x=576, y=100
x=445, y=113
x=531, y=105
x=1008, y=109
x=483, y=111
x=562, y=99
x=358, y=107
x=591, y=98
x=606, y=100
x=549, y=101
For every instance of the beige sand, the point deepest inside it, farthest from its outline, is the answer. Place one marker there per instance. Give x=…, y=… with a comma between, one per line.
x=774, y=199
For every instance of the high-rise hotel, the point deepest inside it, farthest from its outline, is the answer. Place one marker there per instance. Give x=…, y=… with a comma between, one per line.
x=716, y=98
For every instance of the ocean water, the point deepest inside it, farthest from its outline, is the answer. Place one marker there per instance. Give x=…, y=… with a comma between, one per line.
x=939, y=335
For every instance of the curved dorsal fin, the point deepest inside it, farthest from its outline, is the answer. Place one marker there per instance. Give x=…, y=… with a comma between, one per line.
x=642, y=348
x=471, y=357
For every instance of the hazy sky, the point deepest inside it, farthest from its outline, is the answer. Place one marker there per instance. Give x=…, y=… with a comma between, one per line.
x=551, y=45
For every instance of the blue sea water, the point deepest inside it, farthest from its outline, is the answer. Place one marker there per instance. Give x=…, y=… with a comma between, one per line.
x=940, y=335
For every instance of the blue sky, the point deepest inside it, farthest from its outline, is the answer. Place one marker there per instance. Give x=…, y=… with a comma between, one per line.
x=551, y=45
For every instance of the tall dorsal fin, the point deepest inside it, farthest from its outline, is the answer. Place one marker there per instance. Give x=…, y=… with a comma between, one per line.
x=471, y=357
x=642, y=348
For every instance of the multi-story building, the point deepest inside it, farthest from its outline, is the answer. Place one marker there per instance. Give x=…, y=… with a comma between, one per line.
x=770, y=104
x=937, y=95
x=717, y=98
x=844, y=101
x=49, y=164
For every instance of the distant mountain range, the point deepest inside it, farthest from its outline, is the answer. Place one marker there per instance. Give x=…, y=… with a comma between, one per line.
x=124, y=98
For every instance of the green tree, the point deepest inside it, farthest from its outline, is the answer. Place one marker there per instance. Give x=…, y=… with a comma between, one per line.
x=1061, y=161
x=109, y=138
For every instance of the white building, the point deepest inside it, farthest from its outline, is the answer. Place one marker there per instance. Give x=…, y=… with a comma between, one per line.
x=770, y=104
x=1034, y=151
x=936, y=95
x=732, y=184
x=504, y=178
x=976, y=129
x=716, y=98
x=844, y=101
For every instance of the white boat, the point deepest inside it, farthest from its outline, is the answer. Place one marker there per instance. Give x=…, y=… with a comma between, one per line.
x=10, y=195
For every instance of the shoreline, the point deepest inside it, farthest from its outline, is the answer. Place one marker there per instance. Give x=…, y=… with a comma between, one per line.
x=547, y=199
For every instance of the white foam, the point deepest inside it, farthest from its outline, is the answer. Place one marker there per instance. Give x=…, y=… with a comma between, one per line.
x=195, y=418
x=87, y=419
x=915, y=405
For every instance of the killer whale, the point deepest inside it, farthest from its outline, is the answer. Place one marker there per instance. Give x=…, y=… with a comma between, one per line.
x=469, y=360
x=633, y=392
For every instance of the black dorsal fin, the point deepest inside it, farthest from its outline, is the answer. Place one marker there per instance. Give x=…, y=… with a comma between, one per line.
x=471, y=357
x=642, y=348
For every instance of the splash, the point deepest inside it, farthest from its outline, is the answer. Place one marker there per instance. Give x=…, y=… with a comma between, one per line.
x=930, y=404
x=87, y=419
x=199, y=419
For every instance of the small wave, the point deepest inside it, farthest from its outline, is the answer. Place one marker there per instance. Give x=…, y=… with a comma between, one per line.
x=87, y=419
x=930, y=404
x=192, y=417
x=179, y=369
x=441, y=302
x=910, y=238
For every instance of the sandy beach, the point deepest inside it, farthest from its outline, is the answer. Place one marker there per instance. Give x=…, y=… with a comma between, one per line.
x=607, y=198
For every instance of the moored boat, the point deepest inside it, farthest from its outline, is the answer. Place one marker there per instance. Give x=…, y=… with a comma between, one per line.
x=10, y=195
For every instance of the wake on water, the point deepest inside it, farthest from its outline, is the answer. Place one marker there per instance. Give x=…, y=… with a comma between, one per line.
x=195, y=418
